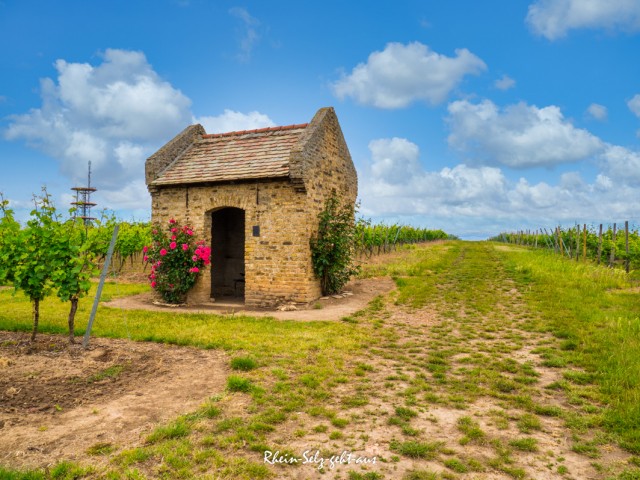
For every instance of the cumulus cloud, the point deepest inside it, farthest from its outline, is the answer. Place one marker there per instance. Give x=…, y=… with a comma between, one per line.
x=110, y=114
x=481, y=201
x=231, y=121
x=114, y=114
x=554, y=18
x=394, y=159
x=634, y=105
x=597, y=111
x=402, y=74
x=621, y=165
x=505, y=83
x=249, y=32
x=518, y=136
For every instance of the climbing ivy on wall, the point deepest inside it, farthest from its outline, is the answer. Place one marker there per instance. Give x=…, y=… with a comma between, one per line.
x=333, y=247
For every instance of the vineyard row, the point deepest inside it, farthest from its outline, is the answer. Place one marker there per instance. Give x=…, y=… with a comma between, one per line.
x=616, y=246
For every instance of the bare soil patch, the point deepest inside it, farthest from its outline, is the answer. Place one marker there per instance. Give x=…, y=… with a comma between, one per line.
x=56, y=400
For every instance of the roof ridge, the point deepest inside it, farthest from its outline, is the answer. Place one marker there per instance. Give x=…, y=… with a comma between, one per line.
x=258, y=130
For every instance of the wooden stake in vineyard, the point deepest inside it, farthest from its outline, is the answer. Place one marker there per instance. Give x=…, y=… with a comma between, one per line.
x=599, y=244
x=612, y=255
x=626, y=244
x=584, y=242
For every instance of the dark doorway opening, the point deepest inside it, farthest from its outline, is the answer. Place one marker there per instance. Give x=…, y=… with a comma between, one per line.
x=227, y=253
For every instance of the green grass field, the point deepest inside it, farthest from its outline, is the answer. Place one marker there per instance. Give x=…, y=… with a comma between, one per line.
x=334, y=380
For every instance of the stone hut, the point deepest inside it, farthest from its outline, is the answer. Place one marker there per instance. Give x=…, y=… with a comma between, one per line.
x=254, y=197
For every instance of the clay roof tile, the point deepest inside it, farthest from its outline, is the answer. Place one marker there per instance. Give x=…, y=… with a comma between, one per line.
x=242, y=155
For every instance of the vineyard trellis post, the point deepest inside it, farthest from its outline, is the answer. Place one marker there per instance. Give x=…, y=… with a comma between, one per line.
x=626, y=244
x=103, y=276
x=584, y=242
x=599, y=244
x=612, y=255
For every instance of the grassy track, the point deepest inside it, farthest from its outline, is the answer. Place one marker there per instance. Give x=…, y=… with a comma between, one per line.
x=487, y=362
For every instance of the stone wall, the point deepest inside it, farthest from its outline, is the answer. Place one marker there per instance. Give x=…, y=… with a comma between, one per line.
x=327, y=162
x=277, y=263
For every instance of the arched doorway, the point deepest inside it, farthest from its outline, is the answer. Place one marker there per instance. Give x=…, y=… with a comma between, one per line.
x=227, y=253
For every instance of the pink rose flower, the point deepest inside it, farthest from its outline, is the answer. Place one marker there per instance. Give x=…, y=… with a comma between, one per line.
x=173, y=245
x=145, y=258
x=185, y=246
x=172, y=221
x=145, y=249
x=163, y=252
x=194, y=270
x=153, y=284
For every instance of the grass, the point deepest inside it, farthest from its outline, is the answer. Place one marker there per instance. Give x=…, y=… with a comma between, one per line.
x=254, y=341
x=326, y=381
x=177, y=429
x=238, y=384
x=587, y=308
x=111, y=372
x=416, y=449
x=244, y=364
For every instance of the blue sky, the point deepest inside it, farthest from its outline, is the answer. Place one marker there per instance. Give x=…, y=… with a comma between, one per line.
x=474, y=117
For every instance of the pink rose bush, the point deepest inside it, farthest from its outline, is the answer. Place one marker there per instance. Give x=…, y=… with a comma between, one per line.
x=175, y=270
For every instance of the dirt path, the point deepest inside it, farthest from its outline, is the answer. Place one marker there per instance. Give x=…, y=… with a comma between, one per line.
x=464, y=388
x=357, y=294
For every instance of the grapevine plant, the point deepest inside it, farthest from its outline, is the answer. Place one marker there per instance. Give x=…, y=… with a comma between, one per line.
x=176, y=260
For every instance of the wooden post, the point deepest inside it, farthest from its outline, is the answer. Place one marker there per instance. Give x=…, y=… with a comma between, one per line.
x=577, y=241
x=626, y=245
x=103, y=276
x=584, y=242
x=612, y=255
x=599, y=244
x=560, y=242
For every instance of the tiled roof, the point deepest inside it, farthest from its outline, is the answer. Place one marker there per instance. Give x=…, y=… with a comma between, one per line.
x=249, y=154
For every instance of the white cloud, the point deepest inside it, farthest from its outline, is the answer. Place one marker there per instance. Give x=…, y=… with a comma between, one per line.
x=505, y=83
x=133, y=195
x=621, y=165
x=114, y=114
x=394, y=159
x=519, y=135
x=482, y=201
x=554, y=18
x=402, y=74
x=249, y=33
x=634, y=104
x=231, y=121
x=597, y=111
